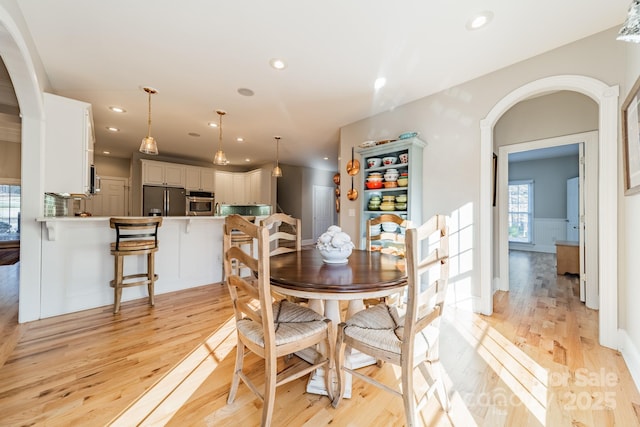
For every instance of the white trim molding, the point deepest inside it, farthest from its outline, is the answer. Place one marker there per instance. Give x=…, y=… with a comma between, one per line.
x=607, y=99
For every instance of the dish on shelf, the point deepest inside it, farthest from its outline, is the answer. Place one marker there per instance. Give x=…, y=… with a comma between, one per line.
x=389, y=198
x=389, y=227
x=374, y=162
x=366, y=144
x=384, y=141
x=407, y=135
x=372, y=185
x=391, y=176
x=403, y=181
x=401, y=198
x=387, y=206
x=389, y=160
x=390, y=184
x=404, y=158
x=401, y=206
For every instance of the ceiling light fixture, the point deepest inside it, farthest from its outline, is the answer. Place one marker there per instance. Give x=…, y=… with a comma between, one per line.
x=220, y=158
x=113, y=129
x=148, y=145
x=278, y=64
x=630, y=31
x=277, y=172
x=480, y=20
x=117, y=109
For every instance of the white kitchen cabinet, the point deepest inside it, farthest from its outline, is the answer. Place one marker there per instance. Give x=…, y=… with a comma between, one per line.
x=238, y=185
x=224, y=187
x=199, y=179
x=162, y=173
x=258, y=185
x=69, y=141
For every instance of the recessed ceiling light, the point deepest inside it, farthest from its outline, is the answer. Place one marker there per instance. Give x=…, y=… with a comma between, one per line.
x=480, y=20
x=379, y=83
x=278, y=64
x=112, y=129
x=213, y=125
x=106, y=152
x=117, y=109
x=325, y=158
x=240, y=139
x=247, y=160
x=193, y=134
x=245, y=91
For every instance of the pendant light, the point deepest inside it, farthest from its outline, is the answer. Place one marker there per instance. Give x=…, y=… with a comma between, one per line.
x=630, y=31
x=220, y=158
x=148, y=145
x=277, y=172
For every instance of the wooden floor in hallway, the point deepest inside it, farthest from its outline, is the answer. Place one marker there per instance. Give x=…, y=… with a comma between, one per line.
x=535, y=362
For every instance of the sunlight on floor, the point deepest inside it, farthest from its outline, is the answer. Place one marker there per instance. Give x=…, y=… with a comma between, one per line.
x=159, y=404
x=526, y=379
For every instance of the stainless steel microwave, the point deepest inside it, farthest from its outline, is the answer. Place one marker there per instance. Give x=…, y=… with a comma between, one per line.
x=200, y=203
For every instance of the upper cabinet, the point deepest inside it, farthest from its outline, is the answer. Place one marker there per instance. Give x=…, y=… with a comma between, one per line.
x=69, y=141
x=162, y=173
x=199, y=179
x=243, y=188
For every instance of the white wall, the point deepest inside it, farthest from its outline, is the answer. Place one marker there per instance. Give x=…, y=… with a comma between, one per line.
x=629, y=243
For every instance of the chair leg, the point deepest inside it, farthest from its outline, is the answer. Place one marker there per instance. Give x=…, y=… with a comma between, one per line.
x=407, y=392
x=339, y=362
x=235, y=381
x=117, y=285
x=269, y=390
x=151, y=276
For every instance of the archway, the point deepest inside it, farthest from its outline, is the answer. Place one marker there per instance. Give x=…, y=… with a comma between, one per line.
x=607, y=99
x=15, y=53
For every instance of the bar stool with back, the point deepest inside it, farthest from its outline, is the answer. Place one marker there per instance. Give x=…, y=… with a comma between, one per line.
x=134, y=236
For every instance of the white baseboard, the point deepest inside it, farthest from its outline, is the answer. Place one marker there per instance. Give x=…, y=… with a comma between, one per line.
x=630, y=354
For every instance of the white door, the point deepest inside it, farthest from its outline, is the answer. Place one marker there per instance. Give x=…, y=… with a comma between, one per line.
x=323, y=208
x=111, y=200
x=573, y=212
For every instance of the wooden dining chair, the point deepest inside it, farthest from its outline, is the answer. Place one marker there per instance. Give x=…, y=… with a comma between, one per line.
x=266, y=328
x=409, y=340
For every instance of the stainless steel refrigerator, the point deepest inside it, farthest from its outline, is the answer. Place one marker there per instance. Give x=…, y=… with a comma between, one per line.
x=168, y=201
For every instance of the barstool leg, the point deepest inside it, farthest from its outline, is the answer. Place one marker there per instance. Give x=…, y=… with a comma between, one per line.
x=151, y=276
x=117, y=286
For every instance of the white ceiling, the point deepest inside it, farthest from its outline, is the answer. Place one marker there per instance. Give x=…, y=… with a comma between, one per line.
x=197, y=53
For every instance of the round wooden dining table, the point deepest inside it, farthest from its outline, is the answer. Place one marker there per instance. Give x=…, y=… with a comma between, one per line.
x=366, y=275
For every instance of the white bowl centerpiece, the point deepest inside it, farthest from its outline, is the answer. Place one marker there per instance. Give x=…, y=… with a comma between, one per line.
x=335, y=246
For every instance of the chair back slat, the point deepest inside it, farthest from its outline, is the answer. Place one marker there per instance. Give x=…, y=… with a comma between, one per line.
x=283, y=227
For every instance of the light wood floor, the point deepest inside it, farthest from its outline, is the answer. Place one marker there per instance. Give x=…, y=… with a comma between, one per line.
x=535, y=362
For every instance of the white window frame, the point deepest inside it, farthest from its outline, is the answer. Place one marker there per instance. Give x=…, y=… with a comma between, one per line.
x=530, y=213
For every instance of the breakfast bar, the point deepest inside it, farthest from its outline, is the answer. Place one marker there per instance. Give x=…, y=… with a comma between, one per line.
x=77, y=266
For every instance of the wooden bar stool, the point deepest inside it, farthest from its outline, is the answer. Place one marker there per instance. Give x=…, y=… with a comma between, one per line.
x=239, y=239
x=134, y=236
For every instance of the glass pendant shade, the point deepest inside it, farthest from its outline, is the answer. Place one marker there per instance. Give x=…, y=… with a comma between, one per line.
x=630, y=31
x=277, y=172
x=148, y=144
x=220, y=158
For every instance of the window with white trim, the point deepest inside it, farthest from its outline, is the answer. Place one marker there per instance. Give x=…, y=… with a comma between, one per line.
x=521, y=211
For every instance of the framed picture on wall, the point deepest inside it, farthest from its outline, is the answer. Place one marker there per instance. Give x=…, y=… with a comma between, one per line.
x=631, y=141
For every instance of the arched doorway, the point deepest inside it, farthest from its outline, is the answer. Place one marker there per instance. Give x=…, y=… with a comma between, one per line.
x=15, y=53
x=607, y=99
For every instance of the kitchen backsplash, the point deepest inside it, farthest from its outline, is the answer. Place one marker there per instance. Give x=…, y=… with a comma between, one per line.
x=255, y=210
x=55, y=205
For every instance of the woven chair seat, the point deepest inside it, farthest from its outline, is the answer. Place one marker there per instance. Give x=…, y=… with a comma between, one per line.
x=292, y=322
x=382, y=327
